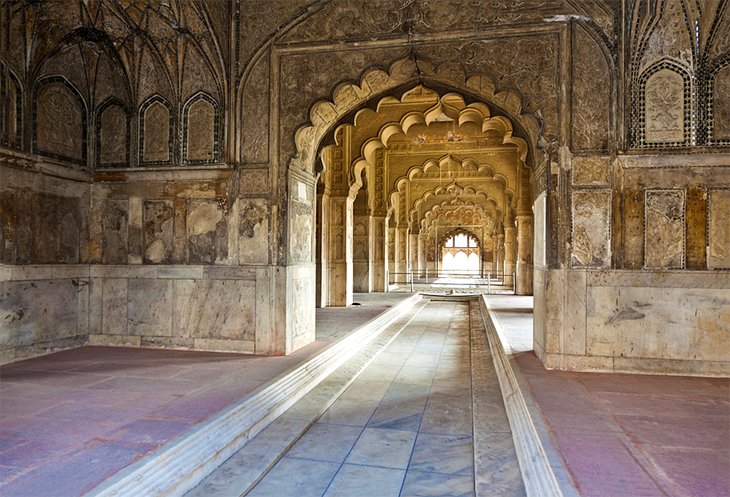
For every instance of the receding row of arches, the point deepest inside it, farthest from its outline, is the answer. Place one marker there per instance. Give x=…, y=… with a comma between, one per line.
x=411, y=175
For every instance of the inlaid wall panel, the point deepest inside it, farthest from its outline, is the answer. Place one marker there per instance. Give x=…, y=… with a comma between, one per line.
x=200, y=121
x=59, y=120
x=112, y=135
x=664, y=232
x=591, y=229
x=718, y=229
x=156, y=133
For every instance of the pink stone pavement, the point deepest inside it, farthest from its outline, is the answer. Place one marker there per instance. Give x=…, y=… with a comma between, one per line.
x=71, y=419
x=634, y=435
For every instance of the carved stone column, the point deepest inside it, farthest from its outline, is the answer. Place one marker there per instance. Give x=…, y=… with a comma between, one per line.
x=379, y=262
x=362, y=248
x=413, y=253
x=322, y=258
x=510, y=251
x=523, y=285
x=340, y=252
x=499, y=251
x=401, y=256
x=392, y=244
x=422, y=240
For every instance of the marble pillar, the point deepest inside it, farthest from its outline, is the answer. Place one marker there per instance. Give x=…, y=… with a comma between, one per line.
x=401, y=256
x=413, y=254
x=392, y=246
x=523, y=285
x=362, y=253
x=499, y=251
x=322, y=258
x=340, y=252
x=379, y=262
x=510, y=253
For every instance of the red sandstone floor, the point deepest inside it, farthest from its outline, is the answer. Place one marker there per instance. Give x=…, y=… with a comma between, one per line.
x=71, y=419
x=633, y=435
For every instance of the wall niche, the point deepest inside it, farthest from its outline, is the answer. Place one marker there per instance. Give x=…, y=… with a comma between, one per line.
x=112, y=135
x=200, y=121
x=60, y=120
x=156, y=131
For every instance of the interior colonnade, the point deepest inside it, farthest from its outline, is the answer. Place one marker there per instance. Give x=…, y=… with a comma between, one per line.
x=405, y=175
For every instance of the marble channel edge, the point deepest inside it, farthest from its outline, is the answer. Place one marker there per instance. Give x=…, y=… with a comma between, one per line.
x=537, y=472
x=181, y=464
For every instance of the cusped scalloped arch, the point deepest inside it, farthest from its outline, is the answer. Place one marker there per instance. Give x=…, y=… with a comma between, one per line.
x=325, y=114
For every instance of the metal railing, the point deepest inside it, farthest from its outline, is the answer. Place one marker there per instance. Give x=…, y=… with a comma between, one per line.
x=476, y=279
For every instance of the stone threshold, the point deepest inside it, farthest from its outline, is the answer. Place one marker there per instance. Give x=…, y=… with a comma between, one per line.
x=183, y=463
x=543, y=471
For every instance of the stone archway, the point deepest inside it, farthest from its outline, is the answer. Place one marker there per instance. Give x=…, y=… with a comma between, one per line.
x=401, y=159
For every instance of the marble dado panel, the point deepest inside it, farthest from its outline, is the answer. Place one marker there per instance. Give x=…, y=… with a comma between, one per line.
x=591, y=170
x=591, y=244
x=639, y=322
x=607, y=320
x=40, y=315
x=718, y=255
x=664, y=230
x=539, y=239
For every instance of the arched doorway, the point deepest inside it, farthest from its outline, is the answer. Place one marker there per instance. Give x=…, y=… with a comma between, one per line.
x=403, y=171
x=461, y=256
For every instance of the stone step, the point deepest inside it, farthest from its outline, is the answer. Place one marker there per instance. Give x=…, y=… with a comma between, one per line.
x=183, y=463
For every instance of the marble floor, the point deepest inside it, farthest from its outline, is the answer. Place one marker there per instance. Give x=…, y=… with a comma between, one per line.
x=404, y=427
x=627, y=435
x=71, y=419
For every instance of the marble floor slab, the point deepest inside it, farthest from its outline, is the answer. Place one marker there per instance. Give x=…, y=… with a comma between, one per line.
x=405, y=424
x=113, y=405
x=623, y=434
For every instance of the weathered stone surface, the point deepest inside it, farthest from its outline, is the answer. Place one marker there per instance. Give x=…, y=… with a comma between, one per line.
x=591, y=228
x=721, y=105
x=157, y=133
x=60, y=122
x=719, y=230
x=214, y=309
x=253, y=232
x=115, y=232
x=113, y=137
x=201, y=137
x=664, y=221
x=158, y=235
x=149, y=307
x=591, y=170
x=591, y=93
x=207, y=232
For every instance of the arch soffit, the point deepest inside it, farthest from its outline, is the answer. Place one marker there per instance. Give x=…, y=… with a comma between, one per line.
x=347, y=97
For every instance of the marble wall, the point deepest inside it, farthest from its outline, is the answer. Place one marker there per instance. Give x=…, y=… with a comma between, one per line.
x=628, y=321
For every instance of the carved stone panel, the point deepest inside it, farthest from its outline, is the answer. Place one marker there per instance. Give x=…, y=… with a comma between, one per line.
x=156, y=139
x=115, y=241
x=201, y=133
x=302, y=225
x=7, y=227
x=664, y=107
x=719, y=230
x=664, y=229
x=591, y=229
x=11, y=113
x=60, y=123
x=591, y=171
x=157, y=232
x=591, y=94
x=207, y=232
x=253, y=181
x=721, y=105
x=113, y=137
x=253, y=232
